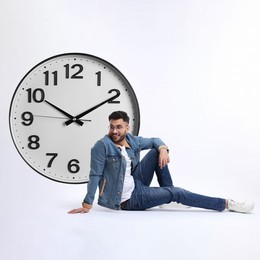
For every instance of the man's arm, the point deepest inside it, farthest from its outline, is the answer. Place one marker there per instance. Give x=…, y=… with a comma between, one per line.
x=96, y=171
x=157, y=143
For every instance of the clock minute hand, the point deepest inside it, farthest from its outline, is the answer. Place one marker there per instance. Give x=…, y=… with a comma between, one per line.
x=95, y=107
x=65, y=113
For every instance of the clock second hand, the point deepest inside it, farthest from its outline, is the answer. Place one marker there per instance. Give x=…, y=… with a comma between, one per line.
x=58, y=117
x=66, y=114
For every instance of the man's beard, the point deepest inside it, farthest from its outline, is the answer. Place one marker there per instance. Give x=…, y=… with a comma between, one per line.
x=117, y=138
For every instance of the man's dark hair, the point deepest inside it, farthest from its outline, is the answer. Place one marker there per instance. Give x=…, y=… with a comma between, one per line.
x=119, y=115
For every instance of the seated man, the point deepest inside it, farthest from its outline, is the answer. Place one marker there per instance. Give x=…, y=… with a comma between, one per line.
x=124, y=181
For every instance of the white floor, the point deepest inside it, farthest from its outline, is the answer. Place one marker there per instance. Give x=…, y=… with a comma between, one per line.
x=35, y=225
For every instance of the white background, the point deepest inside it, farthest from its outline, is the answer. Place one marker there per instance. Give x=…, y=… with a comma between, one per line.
x=194, y=66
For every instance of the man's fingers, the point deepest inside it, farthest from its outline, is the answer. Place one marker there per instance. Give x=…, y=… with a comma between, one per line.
x=79, y=210
x=164, y=161
x=73, y=211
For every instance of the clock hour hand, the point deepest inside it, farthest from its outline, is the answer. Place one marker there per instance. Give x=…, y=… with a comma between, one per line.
x=73, y=119
x=95, y=107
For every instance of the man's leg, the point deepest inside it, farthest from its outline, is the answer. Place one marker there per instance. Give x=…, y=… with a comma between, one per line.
x=150, y=165
x=144, y=197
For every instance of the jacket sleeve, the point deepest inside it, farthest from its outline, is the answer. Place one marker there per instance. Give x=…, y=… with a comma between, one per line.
x=149, y=143
x=97, y=164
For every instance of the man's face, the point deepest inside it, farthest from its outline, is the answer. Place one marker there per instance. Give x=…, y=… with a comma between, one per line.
x=118, y=130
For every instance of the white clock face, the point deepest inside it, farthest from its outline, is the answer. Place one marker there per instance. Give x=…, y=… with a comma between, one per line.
x=61, y=108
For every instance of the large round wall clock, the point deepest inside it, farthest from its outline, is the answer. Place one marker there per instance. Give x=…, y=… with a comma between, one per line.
x=60, y=109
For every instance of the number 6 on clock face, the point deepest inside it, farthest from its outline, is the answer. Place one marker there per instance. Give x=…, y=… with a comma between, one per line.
x=60, y=109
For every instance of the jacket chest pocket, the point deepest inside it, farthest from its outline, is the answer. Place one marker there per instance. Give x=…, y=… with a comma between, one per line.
x=113, y=163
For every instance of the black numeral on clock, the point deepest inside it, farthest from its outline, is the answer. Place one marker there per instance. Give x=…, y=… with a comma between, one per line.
x=33, y=142
x=113, y=101
x=47, y=77
x=98, y=78
x=53, y=156
x=37, y=95
x=76, y=75
x=27, y=118
x=73, y=166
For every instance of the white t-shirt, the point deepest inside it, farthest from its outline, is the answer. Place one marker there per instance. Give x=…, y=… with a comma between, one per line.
x=129, y=183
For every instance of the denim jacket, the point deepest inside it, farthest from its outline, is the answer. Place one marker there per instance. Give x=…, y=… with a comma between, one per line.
x=107, y=168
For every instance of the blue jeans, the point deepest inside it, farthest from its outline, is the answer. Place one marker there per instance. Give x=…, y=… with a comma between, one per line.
x=144, y=196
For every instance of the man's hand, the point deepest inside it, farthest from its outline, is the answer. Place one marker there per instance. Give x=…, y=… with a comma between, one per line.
x=79, y=210
x=163, y=157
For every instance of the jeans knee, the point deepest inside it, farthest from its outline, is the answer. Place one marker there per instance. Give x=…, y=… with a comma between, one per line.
x=178, y=193
x=154, y=152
